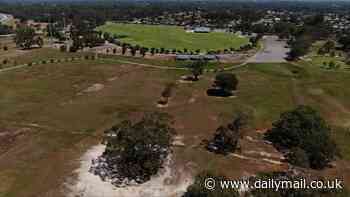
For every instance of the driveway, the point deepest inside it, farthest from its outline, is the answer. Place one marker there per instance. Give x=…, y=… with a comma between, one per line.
x=273, y=51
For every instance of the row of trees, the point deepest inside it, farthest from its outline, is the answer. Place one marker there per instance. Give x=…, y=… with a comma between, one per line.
x=143, y=50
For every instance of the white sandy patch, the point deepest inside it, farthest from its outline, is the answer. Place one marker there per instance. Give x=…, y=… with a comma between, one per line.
x=270, y=161
x=249, y=138
x=265, y=154
x=168, y=183
x=178, y=141
x=184, y=81
x=94, y=88
x=162, y=106
x=192, y=100
x=113, y=78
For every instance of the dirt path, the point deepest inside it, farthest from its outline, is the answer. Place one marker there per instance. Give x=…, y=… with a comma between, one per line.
x=12, y=68
x=176, y=68
x=135, y=63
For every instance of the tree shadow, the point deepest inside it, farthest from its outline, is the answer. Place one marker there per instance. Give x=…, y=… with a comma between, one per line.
x=218, y=92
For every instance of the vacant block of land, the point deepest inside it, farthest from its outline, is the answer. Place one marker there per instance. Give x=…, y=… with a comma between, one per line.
x=53, y=119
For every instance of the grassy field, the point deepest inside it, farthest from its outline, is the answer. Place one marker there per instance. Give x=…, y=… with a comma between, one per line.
x=170, y=37
x=59, y=120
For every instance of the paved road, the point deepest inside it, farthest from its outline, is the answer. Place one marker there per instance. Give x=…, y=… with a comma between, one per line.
x=273, y=51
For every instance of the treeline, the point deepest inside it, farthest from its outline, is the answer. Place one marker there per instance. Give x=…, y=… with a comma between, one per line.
x=101, y=11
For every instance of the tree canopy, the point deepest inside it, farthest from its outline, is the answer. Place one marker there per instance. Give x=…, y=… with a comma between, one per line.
x=136, y=151
x=300, y=47
x=226, y=138
x=304, y=128
x=226, y=81
x=26, y=37
x=197, y=68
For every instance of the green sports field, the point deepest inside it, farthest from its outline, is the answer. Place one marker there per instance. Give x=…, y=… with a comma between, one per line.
x=171, y=37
